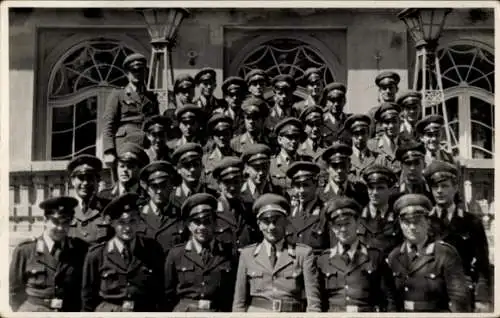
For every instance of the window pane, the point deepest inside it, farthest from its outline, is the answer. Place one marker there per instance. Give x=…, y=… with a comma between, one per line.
x=86, y=110
x=482, y=129
x=482, y=111
x=85, y=138
x=62, y=118
x=61, y=145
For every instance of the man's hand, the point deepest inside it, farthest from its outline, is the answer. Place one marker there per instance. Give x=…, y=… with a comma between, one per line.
x=482, y=307
x=109, y=159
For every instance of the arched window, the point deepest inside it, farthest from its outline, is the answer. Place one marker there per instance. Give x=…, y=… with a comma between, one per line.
x=77, y=91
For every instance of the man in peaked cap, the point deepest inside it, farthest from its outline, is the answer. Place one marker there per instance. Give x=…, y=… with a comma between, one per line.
x=255, y=112
x=390, y=139
x=208, y=285
x=338, y=159
x=387, y=83
x=428, y=273
x=411, y=108
x=188, y=163
x=263, y=281
x=235, y=222
x=290, y=134
x=190, y=119
x=206, y=80
x=234, y=90
x=344, y=267
x=160, y=216
x=411, y=156
x=333, y=101
x=220, y=130
x=283, y=87
x=88, y=224
x=313, y=84
x=183, y=95
x=461, y=229
x=257, y=81
x=358, y=126
x=307, y=221
x=130, y=159
x=379, y=226
x=429, y=130
x=46, y=272
x=312, y=119
x=256, y=160
x=127, y=109
x=123, y=274
x=156, y=129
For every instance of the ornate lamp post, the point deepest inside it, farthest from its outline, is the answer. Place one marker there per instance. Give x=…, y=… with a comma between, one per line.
x=425, y=26
x=163, y=24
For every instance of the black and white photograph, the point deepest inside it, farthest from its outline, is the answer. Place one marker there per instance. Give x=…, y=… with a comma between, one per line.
x=243, y=156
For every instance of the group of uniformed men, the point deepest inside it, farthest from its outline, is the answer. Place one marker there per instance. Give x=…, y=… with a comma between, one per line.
x=236, y=205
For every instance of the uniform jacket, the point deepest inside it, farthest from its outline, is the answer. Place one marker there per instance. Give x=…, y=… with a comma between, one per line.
x=310, y=227
x=249, y=198
x=336, y=131
x=235, y=223
x=168, y=229
x=441, y=154
x=405, y=187
x=156, y=156
x=299, y=106
x=173, y=131
x=466, y=233
x=211, y=157
x=383, y=234
x=34, y=272
x=188, y=277
x=177, y=142
x=376, y=127
x=295, y=276
x=237, y=117
x=240, y=143
x=307, y=149
x=387, y=156
x=358, y=164
x=177, y=197
x=433, y=282
x=209, y=105
x=114, y=192
x=354, y=190
x=106, y=276
x=278, y=168
x=90, y=225
x=363, y=284
x=124, y=114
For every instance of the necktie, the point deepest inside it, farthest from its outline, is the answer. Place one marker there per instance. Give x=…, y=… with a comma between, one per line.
x=272, y=256
x=345, y=254
x=126, y=254
x=340, y=191
x=84, y=206
x=56, y=250
x=413, y=252
x=205, y=255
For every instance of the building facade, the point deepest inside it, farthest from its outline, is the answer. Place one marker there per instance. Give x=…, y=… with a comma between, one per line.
x=64, y=63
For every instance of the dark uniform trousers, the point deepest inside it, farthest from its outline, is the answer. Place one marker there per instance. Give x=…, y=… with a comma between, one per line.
x=466, y=233
x=309, y=226
x=432, y=282
x=125, y=112
x=383, y=234
x=90, y=225
x=40, y=281
x=235, y=224
x=363, y=284
x=194, y=284
x=168, y=228
x=112, y=284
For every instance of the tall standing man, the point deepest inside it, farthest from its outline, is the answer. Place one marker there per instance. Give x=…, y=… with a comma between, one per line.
x=274, y=275
x=411, y=109
x=333, y=101
x=387, y=83
x=206, y=80
x=46, y=272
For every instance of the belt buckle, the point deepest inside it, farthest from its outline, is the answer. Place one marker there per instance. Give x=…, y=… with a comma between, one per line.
x=409, y=305
x=204, y=304
x=128, y=305
x=351, y=308
x=277, y=305
x=56, y=303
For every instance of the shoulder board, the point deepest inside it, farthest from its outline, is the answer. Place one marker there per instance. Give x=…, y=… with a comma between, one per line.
x=253, y=245
x=179, y=245
x=98, y=245
x=445, y=244
x=28, y=240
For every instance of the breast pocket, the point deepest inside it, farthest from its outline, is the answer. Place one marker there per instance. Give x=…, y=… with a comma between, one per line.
x=256, y=280
x=433, y=281
x=110, y=281
x=331, y=280
x=398, y=279
x=37, y=275
x=186, y=274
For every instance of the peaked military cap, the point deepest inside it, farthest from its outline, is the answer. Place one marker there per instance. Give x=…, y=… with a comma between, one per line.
x=289, y=125
x=302, y=170
x=311, y=74
x=158, y=171
x=134, y=61
x=409, y=97
x=123, y=207
x=387, y=110
x=439, y=170
x=342, y=206
x=156, y=123
x=199, y=205
x=410, y=150
x=84, y=164
x=187, y=151
x=284, y=78
x=378, y=173
x=62, y=207
x=409, y=204
x=204, y=74
x=183, y=81
x=337, y=152
x=229, y=167
x=430, y=123
x=219, y=122
x=197, y=111
x=253, y=104
x=336, y=86
x=270, y=202
x=254, y=74
x=234, y=82
x=386, y=78
x=256, y=153
x=357, y=121
x=311, y=112
x=132, y=152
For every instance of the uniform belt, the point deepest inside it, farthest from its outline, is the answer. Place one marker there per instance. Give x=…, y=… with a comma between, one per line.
x=278, y=305
x=46, y=302
x=200, y=304
x=351, y=308
x=428, y=305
